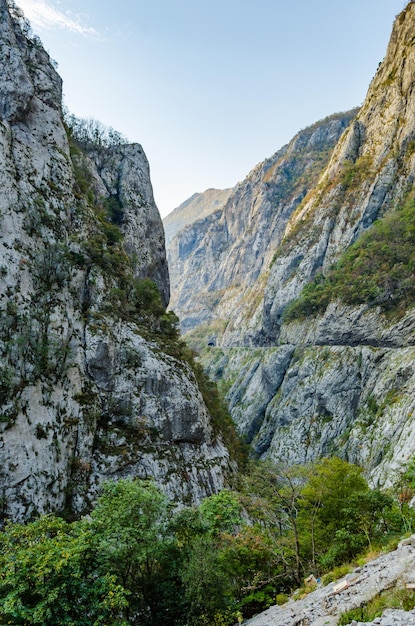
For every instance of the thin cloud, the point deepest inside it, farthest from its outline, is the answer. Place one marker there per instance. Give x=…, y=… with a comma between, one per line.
x=43, y=15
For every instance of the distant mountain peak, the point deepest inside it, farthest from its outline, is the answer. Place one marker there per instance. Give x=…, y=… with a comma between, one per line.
x=198, y=206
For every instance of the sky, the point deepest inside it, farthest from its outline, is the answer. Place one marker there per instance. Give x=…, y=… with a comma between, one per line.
x=210, y=89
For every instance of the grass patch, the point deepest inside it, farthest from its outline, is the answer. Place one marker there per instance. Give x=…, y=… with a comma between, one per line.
x=397, y=598
x=336, y=573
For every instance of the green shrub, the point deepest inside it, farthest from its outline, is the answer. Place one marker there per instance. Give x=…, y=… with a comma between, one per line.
x=6, y=383
x=355, y=172
x=114, y=209
x=336, y=573
x=397, y=598
x=281, y=598
x=49, y=576
x=147, y=297
x=377, y=270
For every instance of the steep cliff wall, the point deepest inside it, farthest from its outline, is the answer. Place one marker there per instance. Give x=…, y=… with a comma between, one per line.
x=92, y=381
x=370, y=172
x=214, y=261
x=336, y=374
x=123, y=176
x=349, y=386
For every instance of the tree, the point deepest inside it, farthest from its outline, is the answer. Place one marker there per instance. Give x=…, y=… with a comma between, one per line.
x=49, y=575
x=273, y=501
x=338, y=512
x=90, y=133
x=206, y=586
x=129, y=524
x=222, y=512
x=252, y=562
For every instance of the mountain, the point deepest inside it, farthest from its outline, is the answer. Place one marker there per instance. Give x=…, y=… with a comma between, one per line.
x=215, y=260
x=310, y=303
x=196, y=207
x=94, y=382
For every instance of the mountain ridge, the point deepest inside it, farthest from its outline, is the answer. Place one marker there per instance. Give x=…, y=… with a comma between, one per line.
x=334, y=381
x=229, y=248
x=198, y=206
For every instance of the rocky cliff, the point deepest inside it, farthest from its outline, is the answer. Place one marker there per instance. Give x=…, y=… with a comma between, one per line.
x=93, y=384
x=216, y=260
x=319, y=357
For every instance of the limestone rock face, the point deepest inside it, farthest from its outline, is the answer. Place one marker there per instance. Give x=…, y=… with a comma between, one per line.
x=340, y=382
x=325, y=605
x=87, y=390
x=215, y=260
x=124, y=172
x=371, y=168
x=316, y=401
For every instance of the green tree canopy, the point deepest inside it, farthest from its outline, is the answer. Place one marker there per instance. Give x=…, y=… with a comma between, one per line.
x=129, y=524
x=49, y=576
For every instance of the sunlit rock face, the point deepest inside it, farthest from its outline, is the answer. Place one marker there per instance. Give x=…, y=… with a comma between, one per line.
x=215, y=261
x=87, y=393
x=370, y=172
x=340, y=381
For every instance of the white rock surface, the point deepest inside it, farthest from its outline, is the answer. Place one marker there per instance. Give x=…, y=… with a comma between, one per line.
x=83, y=396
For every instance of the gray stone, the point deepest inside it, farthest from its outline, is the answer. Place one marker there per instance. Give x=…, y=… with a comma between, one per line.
x=84, y=397
x=326, y=604
x=215, y=259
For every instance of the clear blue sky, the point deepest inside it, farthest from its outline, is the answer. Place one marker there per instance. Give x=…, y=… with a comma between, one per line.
x=211, y=88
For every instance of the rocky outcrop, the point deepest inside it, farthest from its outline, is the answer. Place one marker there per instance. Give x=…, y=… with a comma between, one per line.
x=214, y=261
x=350, y=387
x=91, y=387
x=341, y=381
x=390, y=617
x=325, y=605
x=122, y=174
x=297, y=403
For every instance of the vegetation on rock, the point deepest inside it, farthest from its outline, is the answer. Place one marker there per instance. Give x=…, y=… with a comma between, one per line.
x=378, y=270
x=137, y=561
x=398, y=598
x=89, y=133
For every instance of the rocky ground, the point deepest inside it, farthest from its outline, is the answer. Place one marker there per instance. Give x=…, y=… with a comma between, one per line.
x=325, y=605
